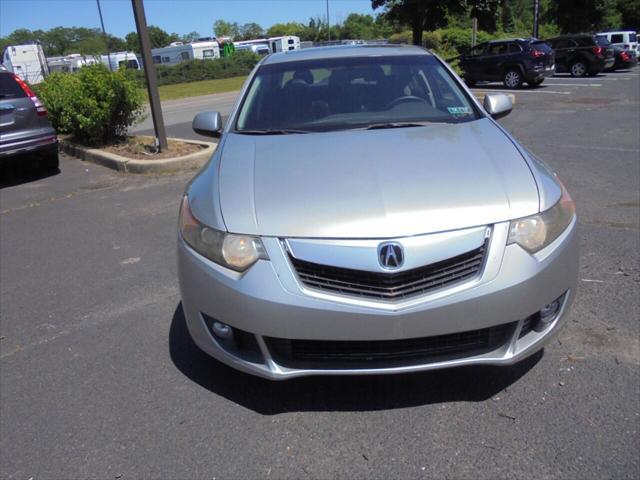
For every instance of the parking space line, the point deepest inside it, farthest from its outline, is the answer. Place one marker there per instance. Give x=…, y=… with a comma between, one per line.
x=574, y=84
x=518, y=92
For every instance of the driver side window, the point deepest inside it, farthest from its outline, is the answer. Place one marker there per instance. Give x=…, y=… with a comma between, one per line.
x=476, y=51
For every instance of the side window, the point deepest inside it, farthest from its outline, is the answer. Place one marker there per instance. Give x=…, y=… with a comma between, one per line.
x=157, y=59
x=617, y=38
x=514, y=48
x=184, y=55
x=476, y=51
x=497, y=49
x=207, y=53
x=166, y=59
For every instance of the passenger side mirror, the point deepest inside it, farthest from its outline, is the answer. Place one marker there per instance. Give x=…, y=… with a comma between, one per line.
x=497, y=105
x=208, y=124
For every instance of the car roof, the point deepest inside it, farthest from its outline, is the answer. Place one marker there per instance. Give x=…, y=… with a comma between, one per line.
x=344, y=51
x=512, y=40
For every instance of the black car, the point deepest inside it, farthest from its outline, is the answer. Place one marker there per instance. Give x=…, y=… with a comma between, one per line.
x=624, y=59
x=582, y=54
x=512, y=61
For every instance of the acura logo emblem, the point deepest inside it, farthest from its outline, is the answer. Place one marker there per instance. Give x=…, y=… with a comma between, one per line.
x=390, y=255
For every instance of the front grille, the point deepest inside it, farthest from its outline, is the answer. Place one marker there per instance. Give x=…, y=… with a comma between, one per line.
x=351, y=354
x=391, y=286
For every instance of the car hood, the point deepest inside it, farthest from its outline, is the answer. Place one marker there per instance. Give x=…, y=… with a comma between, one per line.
x=373, y=183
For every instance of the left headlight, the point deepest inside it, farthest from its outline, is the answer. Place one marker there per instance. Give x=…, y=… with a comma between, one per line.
x=237, y=252
x=537, y=231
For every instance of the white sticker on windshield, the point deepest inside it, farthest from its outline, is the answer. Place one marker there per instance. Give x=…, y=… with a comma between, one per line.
x=459, y=111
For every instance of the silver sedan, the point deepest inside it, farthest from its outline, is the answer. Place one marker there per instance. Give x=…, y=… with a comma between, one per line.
x=364, y=214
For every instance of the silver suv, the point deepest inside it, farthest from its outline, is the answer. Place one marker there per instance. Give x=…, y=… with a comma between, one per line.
x=364, y=214
x=24, y=126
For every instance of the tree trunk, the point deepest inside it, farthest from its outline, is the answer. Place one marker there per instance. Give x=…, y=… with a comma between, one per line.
x=416, y=26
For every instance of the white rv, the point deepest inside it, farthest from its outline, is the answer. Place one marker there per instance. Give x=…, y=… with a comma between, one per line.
x=257, y=48
x=283, y=44
x=117, y=60
x=70, y=63
x=275, y=44
x=178, y=52
x=26, y=61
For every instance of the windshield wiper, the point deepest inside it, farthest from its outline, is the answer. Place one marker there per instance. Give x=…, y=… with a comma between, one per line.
x=381, y=126
x=267, y=131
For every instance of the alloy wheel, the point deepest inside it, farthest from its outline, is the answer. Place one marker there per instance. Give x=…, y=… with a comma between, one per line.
x=578, y=69
x=512, y=79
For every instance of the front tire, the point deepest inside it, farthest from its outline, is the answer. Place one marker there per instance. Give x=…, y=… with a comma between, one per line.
x=512, y=78
x=578, y=69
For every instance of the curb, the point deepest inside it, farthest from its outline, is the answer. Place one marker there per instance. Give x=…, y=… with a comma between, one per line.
x=192, y=161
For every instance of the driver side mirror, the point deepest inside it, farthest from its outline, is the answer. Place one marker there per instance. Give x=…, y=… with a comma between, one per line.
x=208, y=124
x=497, y=105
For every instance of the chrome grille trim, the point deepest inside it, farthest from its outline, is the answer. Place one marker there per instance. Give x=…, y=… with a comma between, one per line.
x=392, y=286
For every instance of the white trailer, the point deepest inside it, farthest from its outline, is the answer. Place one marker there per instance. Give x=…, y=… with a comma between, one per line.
x=117, y=60
x=178, y=52
x=26, y=61
x=275, y=44
x=70, y=63
x=284, y=44
x=257, y=48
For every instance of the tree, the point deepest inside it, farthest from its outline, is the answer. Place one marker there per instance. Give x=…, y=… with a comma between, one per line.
x=291, y=28
x=506, y=16
x=420, y=14
x=132, y=42
x=226, y=29
x=486, y=11
x=629, y=13
x=190, y=37
x=574, y=16
x=250, y=31
x=358, y=26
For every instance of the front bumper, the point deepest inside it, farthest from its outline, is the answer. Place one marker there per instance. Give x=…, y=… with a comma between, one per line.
x=268, y=301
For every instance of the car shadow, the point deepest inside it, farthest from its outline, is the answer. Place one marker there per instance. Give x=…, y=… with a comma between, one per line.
x=326, y=393
x=22, y=169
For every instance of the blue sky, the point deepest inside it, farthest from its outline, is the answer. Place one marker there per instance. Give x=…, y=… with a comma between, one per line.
x=180, y=16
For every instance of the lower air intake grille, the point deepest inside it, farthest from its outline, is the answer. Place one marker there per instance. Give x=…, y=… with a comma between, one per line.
x=391, y=286
x=414, y=350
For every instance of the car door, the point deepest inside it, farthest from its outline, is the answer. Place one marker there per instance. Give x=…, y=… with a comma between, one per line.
x=496, y=57
x=564, y=48
x=471, y=62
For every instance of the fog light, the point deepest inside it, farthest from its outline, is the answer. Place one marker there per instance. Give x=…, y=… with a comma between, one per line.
x=548, y=314
x=222, y=330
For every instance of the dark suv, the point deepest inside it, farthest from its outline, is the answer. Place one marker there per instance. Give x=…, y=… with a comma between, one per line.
x=582, y=54
x=24, y=126
x=511, y=61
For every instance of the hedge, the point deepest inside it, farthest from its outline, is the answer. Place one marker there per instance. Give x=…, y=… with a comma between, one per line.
x=94, y=105
x=239, y=64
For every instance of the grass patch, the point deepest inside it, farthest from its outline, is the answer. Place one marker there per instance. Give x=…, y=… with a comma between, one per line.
x=203, y=87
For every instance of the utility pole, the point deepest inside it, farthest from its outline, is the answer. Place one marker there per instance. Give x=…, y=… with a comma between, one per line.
x=536, y=15
x=104, y=33
x=328, y=23
x=150, y=74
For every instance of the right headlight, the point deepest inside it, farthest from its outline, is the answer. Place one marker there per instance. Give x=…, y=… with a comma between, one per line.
x=537, y=231
x=237, y=252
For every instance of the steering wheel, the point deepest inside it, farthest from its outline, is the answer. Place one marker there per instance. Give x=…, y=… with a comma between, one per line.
x=405, y=99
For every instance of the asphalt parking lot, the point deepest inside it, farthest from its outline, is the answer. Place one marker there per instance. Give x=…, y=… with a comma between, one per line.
x=98, y=377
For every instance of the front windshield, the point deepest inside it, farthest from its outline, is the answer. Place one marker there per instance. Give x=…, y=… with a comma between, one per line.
x=346, y=93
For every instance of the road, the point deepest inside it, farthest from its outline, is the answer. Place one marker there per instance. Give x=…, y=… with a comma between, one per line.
x=100, y=379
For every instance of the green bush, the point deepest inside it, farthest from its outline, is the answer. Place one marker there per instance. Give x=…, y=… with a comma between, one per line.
x=94, y=105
